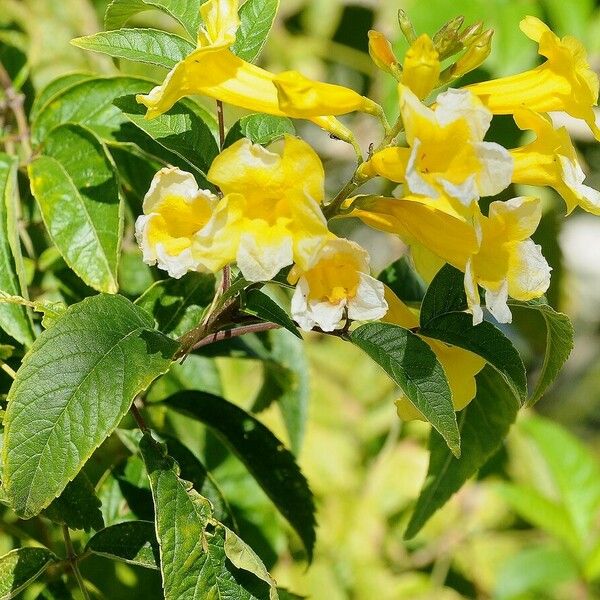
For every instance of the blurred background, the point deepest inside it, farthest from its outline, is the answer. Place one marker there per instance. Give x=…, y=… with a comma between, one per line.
x=528, y=527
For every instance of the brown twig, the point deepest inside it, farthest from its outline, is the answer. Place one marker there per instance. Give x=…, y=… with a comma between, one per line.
x=227, y=334
x=137, y=415
x=14, y=101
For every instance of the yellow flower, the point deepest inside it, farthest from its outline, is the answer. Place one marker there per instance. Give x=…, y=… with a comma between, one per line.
x=272, y=206
x=460, y=366
x=421, y=67
x=551, y=160
x=179, y=224
x=337, y=281
x=447, y=154
x=565, y=82
x=508, y=262
x=214, y=70
x=382, y=53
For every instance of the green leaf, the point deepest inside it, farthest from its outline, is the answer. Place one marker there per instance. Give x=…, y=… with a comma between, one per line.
x=559, y=344
x=55, y=590
x=256, y=20
x=403, y=281
x=72, y=390
x=261, y=129
x=78, y=506
x=13, y=318
x=258, y=304
x=267, y=459
x=20, y=567
x=442, y=318
x=484, y=424
x=76, y=188
x=178, y=305
x=133, y=542
x=179, y=130
x=411, y=363
x=192, y=555
x=186, y=12
x=140, y=45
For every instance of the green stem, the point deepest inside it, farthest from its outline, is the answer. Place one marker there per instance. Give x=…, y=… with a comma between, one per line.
x=72, y=558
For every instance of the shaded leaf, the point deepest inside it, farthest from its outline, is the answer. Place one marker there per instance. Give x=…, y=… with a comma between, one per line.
x=55, y=88
x=20, y=567
x=73, y=388
x=261, y=129
x=403, y=281
x=260, y=305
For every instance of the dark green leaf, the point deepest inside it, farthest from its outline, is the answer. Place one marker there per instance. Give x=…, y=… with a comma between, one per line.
x=77, y=191
x=412, y=364
x=73, y=388
x=55, y=590
x=141, y=45
x=403, y=281
x=559, y=343
x=192, y=554
x=178, y=304
x=256, y=20
x=446, y=294
x=267, y=459
x=260, y=305
x=13, y=318
x=484, y=424
x=20, y=567
x=261, y=129
x=133, y=542
x=78, y=506
x=179, y=130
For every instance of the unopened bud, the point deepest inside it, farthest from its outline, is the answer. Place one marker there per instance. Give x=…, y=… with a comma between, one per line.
x=421, y=68
x=446, y=40
x=470, y=34
x=406, y=27
x=381, y=52
x=476, y=53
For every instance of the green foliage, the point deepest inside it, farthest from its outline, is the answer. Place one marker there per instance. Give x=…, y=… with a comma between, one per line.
x=256, y=20
x=261, y=129
x=258, y=304
x=20, y=567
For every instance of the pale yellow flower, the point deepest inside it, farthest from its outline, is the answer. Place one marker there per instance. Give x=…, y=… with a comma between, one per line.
x=337, y=283
x=272, y=202
x=179, y=224
x=564, y=82
x=551, y=160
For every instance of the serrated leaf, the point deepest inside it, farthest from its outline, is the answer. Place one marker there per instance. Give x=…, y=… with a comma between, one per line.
x=133, y=542
x=484, y=424
x=178, y=304
x=72, y=390
x=256, y=20
x=413, y=366
x=267, y=459
x=139, y=45
x=187, y=12
x=13, y=318
x=20, y=567
x=179, y=130
x=192, y=556
x=261, y=129
x=403, y=281
x=559, y=344
x=76, y=188
x=442, y=318
x=78, y=506
x=55, y=88
x=258, y=304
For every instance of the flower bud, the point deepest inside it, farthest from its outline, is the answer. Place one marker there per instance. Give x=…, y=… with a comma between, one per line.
x=476, y=53
x=421, y=68
x=470, y=34
x=406, y=27
x=381, y=52
x=446, y=40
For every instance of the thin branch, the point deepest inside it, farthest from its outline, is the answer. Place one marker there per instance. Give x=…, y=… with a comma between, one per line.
x=72, y=558
x=10, y=372
x=137, y=415
x=221, y=120
x=14, y=101
x=219, y=336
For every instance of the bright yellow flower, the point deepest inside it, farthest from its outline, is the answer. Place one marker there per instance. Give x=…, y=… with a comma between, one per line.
x=272, y=206
x=179, y=225
x=382, y=53
x=421, y=67
x=565, y=82
x=336, y=282
x=508, y=262
x=213, y=70
x=447, y=154
x=551, y=160
x=460, y=365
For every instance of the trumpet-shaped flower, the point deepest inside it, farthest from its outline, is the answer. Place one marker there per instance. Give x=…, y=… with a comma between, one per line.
x=272, y=206
x=179, y=224
x=508, y=262
x=421, y=67
x=564, y=82
x=447, y=155
x=460, y=366
x=336, y=283
x=214, y=70
x=551, y=160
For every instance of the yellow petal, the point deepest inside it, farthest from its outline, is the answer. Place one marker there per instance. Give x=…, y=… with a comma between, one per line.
x=221, y=22
x=389, y=163
x=381, y=51
x=421, y=67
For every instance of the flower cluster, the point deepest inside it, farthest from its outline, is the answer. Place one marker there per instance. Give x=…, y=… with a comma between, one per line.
x=270, y=212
